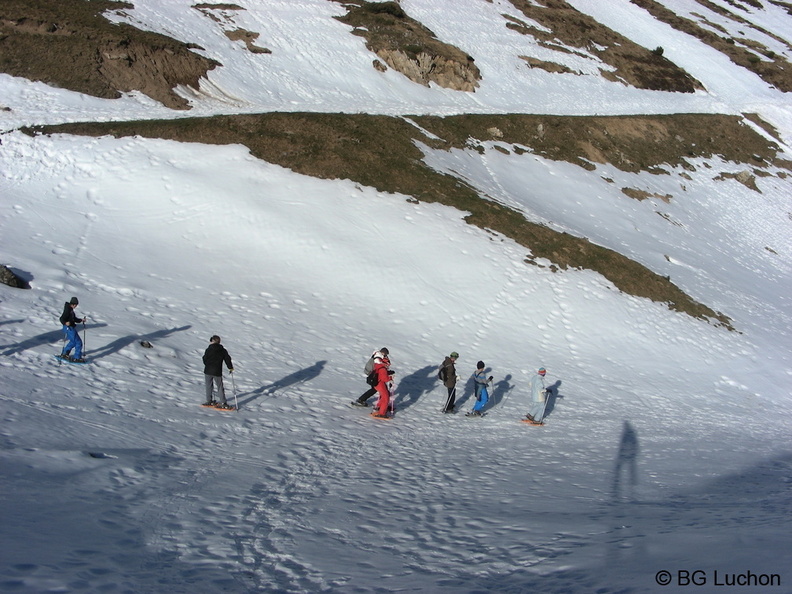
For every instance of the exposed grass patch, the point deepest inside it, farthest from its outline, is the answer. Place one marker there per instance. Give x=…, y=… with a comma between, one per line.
x=774, y=70
x=68, y=43
x=633, y=64
x=381, y=152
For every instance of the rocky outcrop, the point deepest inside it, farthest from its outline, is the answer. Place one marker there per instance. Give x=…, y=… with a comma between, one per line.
x=10, y=278
x=425, y=68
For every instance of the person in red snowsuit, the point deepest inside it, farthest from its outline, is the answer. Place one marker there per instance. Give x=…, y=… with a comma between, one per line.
x=381, y=366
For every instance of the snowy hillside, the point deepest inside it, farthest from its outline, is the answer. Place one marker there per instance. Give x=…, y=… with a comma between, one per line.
x=666, y=446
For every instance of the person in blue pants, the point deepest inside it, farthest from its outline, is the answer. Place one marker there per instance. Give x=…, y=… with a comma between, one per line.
x=482, y=395
x=70, y=320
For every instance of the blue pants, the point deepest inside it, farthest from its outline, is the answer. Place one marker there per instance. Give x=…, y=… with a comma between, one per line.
x=481, y=399
x=74, y=342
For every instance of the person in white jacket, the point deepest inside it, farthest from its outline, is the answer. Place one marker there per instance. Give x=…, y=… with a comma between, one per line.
x=538, y=398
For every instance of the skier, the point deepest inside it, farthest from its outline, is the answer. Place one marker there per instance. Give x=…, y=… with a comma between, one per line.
x=449, y=377
x=383, y=354
x=213, y=359
x=384, y=376
x=482, y=396
x=538, y=397
x=69, y=320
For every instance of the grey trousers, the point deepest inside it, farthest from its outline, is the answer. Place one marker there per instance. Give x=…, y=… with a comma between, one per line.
x=216, y=380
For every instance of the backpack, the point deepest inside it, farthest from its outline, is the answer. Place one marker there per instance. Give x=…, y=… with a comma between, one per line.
x=443, y=374
x=371, y=375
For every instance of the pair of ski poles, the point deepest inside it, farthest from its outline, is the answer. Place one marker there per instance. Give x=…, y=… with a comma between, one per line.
x=63, y=342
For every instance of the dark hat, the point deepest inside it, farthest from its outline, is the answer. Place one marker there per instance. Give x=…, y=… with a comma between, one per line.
x=215, y=338
x=74, y=301
x=480, y=365
x=384, y=351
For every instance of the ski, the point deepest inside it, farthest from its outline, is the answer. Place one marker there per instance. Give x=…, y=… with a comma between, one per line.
x=378, y=416
x=215, y=407
x=474, y=415
x=70, y=361
x=530, y=422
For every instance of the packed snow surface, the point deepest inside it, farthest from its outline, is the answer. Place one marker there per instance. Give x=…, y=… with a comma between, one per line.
x=666, y=446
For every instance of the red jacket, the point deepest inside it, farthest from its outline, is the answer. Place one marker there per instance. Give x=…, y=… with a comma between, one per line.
x=382, y=372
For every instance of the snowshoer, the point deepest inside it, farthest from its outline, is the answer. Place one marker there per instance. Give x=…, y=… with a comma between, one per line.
x=383, y=353
x=538, y=398
x=449, y=378
x=482, y=395
x=384, y=375
x=213, y=359
x=70, y=320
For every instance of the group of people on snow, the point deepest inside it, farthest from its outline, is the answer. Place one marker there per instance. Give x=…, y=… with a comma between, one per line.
x=378, y=373
x=380, y=378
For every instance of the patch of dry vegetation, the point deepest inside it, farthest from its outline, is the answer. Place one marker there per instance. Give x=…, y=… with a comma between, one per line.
x=772, y=68
x=39, y=37
x=381, y=152
x=633, y=64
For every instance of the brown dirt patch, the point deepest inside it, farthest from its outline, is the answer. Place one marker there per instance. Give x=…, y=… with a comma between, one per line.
x=773, y=69
x=634, y=65
x=37, y=37
x=248, y=37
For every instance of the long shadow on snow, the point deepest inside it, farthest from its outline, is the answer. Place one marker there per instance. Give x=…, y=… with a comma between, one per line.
x=120, y=343
x=500, y=390
x=47, y=338
x=303, y=375
x=411, y=387
x=552, y=396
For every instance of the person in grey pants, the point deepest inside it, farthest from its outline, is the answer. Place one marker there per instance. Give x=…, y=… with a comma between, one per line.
x=213, y=359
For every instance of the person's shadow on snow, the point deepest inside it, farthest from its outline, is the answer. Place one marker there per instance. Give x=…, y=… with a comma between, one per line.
x=411, y=387
x=498, y=391
x=125, y=341
x=552, y=396
x=47, y=338
x=465, y=390
x=301, y=376
x=625, y=469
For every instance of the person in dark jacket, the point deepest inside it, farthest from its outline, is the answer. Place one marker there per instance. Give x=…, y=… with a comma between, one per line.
x=449, y=377
x=70, y=320
x=213, y=359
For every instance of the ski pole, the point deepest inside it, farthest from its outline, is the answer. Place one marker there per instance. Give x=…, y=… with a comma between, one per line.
x=451, y=394
x=546, y=395
x=85, y=348
x=233, y=385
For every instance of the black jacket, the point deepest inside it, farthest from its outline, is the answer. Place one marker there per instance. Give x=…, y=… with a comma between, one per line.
x=68, y=317
x=213, y=359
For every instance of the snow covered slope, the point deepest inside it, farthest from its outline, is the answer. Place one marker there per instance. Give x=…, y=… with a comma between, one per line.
x=666, y=446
